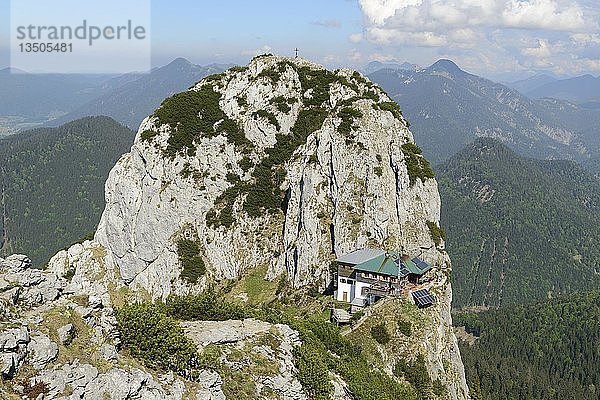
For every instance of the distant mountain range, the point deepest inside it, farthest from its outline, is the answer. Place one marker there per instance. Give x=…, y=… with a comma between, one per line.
x=375, y=66
x=519, y=230
x=448, y=108
x=129, y=101
x=532, y=83
x=581, y=89
x=31, y=100
x=52, y=184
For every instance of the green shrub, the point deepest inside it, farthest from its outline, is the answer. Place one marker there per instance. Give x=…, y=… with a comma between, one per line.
x=390, y=106
x=348, y=115
x=361, y=79
x=237, y=68
x=437, y=233
x=356, y=316
x=268, y=116
x=264, y=194
x=378, y=170
x=311, y=361
x=371, y=94
x=282, y=104
x=417, y=165
x=148, y=135
x=214, y=77
x=380, y=334
x=270, y=73
x=232, y=178
x=246, y=164
x=156, y=339
x=411, y=148
x=416, y=373
x=207, y=306
x=190, y=259
x=242, y=102
x=405, y=327
x=318, y=82
x=195, y=113
x=151, y=333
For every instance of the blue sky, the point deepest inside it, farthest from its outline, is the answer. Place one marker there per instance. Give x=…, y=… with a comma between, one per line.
x=494, y=38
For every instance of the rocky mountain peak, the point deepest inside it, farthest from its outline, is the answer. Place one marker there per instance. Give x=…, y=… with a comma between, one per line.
x=258, y=177
x=447, y=66
x=280, y=164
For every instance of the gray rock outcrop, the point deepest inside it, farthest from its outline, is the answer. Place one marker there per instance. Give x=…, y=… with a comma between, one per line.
x=13, y=350
x=42, y=350
x=66, y=334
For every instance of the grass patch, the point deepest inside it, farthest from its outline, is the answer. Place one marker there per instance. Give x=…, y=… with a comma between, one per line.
x=258, y=289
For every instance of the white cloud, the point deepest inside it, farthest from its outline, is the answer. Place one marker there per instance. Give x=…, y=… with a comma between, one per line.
x=411, y=15
x=356, y=37
x=383, y=57
x=542, y=50
x=545, y=14
x=394, y=36
x=355, y=56
x=584, y=38
x=519, y=34
x=331, y=59
x=379, y=10
x=587, y=64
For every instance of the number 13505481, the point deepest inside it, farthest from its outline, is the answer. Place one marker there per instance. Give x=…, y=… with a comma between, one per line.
x=34, y=47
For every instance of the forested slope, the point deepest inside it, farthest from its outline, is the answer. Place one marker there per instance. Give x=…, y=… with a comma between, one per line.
x=52, y=184
x=518, y=230
x=549, y=350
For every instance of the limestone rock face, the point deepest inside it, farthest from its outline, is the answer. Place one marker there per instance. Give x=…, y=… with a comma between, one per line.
x=346, y=185
x=441, y=349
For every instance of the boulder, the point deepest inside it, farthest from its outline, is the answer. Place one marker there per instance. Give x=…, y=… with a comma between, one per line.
x=42, y=349
x=66, y=333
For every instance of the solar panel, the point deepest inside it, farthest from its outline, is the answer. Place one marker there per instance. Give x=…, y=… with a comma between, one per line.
x=422, y=265
x=402, y=271
x=423, y=298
